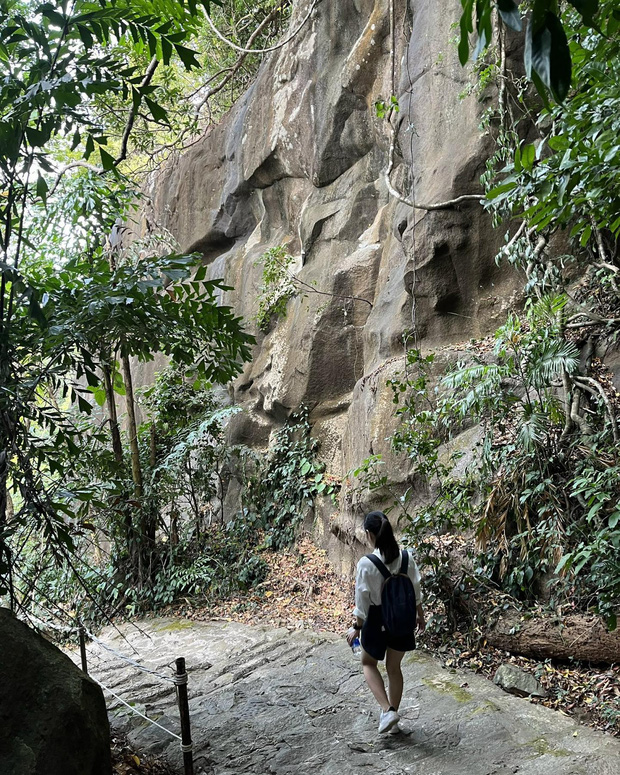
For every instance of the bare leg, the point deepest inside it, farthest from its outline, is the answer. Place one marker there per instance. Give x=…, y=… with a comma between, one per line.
x=395, y=676
x=374, y=680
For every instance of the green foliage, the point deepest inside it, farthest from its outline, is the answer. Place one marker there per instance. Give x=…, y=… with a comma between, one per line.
x=570, y=178
x=539, y=496
x=278, y=286
x=547, y=468
x=283, y=488
x=182, y=444
x=384, y=108
x=221, y=561
x=547, y=55
x=187, y=101
x=71, y=303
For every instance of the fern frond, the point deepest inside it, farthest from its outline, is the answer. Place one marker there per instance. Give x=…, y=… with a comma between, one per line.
x=546, y=311
x=533, y=429
x=552, y=358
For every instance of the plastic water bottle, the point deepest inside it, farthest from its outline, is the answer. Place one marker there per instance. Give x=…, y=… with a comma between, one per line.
x=356, y=647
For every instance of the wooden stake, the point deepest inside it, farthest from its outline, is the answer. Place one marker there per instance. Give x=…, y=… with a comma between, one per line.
x=180, y=679
x=83, y=649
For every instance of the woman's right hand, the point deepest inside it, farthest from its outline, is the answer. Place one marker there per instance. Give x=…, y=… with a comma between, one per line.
x=352, y=634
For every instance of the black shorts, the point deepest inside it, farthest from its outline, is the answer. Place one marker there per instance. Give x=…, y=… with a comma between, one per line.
x=375, y=640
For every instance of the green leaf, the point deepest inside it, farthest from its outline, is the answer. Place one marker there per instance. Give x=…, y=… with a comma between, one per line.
x=84, y=405
x=506, y=185
x=56, y=18
x=42, y=188
x=99, y=395
x=537, y=56
x=587, y=8
x=166, y=49
x=187, y=56
x=540, y=88
x=86, y=37
x=89, y=147
x=467, y=27
x=37, y=137
x=561, y=65
x=107, y=160
x=35, y=311
x=528, y=156
x=158, y=113
x=585, y=236
x=119, y=385
x=509, y=11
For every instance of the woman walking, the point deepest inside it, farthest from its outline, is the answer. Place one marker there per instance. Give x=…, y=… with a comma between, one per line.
x=378, y=642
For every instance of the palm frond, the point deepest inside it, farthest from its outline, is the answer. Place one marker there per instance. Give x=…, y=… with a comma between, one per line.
x=533, y=429
x=551, y=358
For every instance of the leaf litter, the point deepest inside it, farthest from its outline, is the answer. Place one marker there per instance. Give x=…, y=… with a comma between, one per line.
x=303, y=591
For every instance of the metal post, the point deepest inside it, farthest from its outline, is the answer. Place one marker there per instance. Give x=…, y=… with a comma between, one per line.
x=83, y=649
x=180, y=679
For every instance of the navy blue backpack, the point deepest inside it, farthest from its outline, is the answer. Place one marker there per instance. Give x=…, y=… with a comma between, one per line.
x=398, y=604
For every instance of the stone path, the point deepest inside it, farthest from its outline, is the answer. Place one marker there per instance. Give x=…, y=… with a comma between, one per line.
x=273, y=702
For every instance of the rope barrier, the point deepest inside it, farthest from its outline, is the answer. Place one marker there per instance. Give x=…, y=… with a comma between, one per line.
x=52, y=626
x=179, y=680
x=127, y=659
x=133, y=710
x=135, y=664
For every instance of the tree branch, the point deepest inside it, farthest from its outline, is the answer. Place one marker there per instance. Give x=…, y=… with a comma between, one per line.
x=418, y=205
x=232, y=71
x=150, y=71
x=72, y=166
x=595, y=388
x=262, y=50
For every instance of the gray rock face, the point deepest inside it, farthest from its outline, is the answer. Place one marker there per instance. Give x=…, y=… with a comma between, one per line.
x=516, y=681
x=52, y=717
x=279, y=702
x=300, y=161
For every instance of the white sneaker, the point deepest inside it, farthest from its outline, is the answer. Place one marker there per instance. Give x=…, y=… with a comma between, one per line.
x=396, y=730
x=387, y=720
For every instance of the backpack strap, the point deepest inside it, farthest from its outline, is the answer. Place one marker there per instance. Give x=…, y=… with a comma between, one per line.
x=377, y=562
x=404, y=562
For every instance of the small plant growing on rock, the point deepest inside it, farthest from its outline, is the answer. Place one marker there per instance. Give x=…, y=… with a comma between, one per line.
x=279, y=286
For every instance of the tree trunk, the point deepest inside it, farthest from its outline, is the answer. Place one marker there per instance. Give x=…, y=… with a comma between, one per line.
x=5, y=555
x=117, y=444
x=578, y=636
x=136, y=469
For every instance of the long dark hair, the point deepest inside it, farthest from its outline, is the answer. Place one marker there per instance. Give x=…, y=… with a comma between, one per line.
x=379, y=525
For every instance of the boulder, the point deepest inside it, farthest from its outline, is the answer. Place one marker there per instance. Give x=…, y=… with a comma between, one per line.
x=516, y=681
x=53, y=718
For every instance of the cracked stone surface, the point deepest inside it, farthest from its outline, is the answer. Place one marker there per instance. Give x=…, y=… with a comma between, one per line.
x=266, y=700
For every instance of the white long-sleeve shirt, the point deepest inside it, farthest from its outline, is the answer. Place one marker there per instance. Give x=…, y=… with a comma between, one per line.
x=369, y=581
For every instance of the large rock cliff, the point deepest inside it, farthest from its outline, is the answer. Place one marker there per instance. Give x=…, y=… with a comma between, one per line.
x=301, y=161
